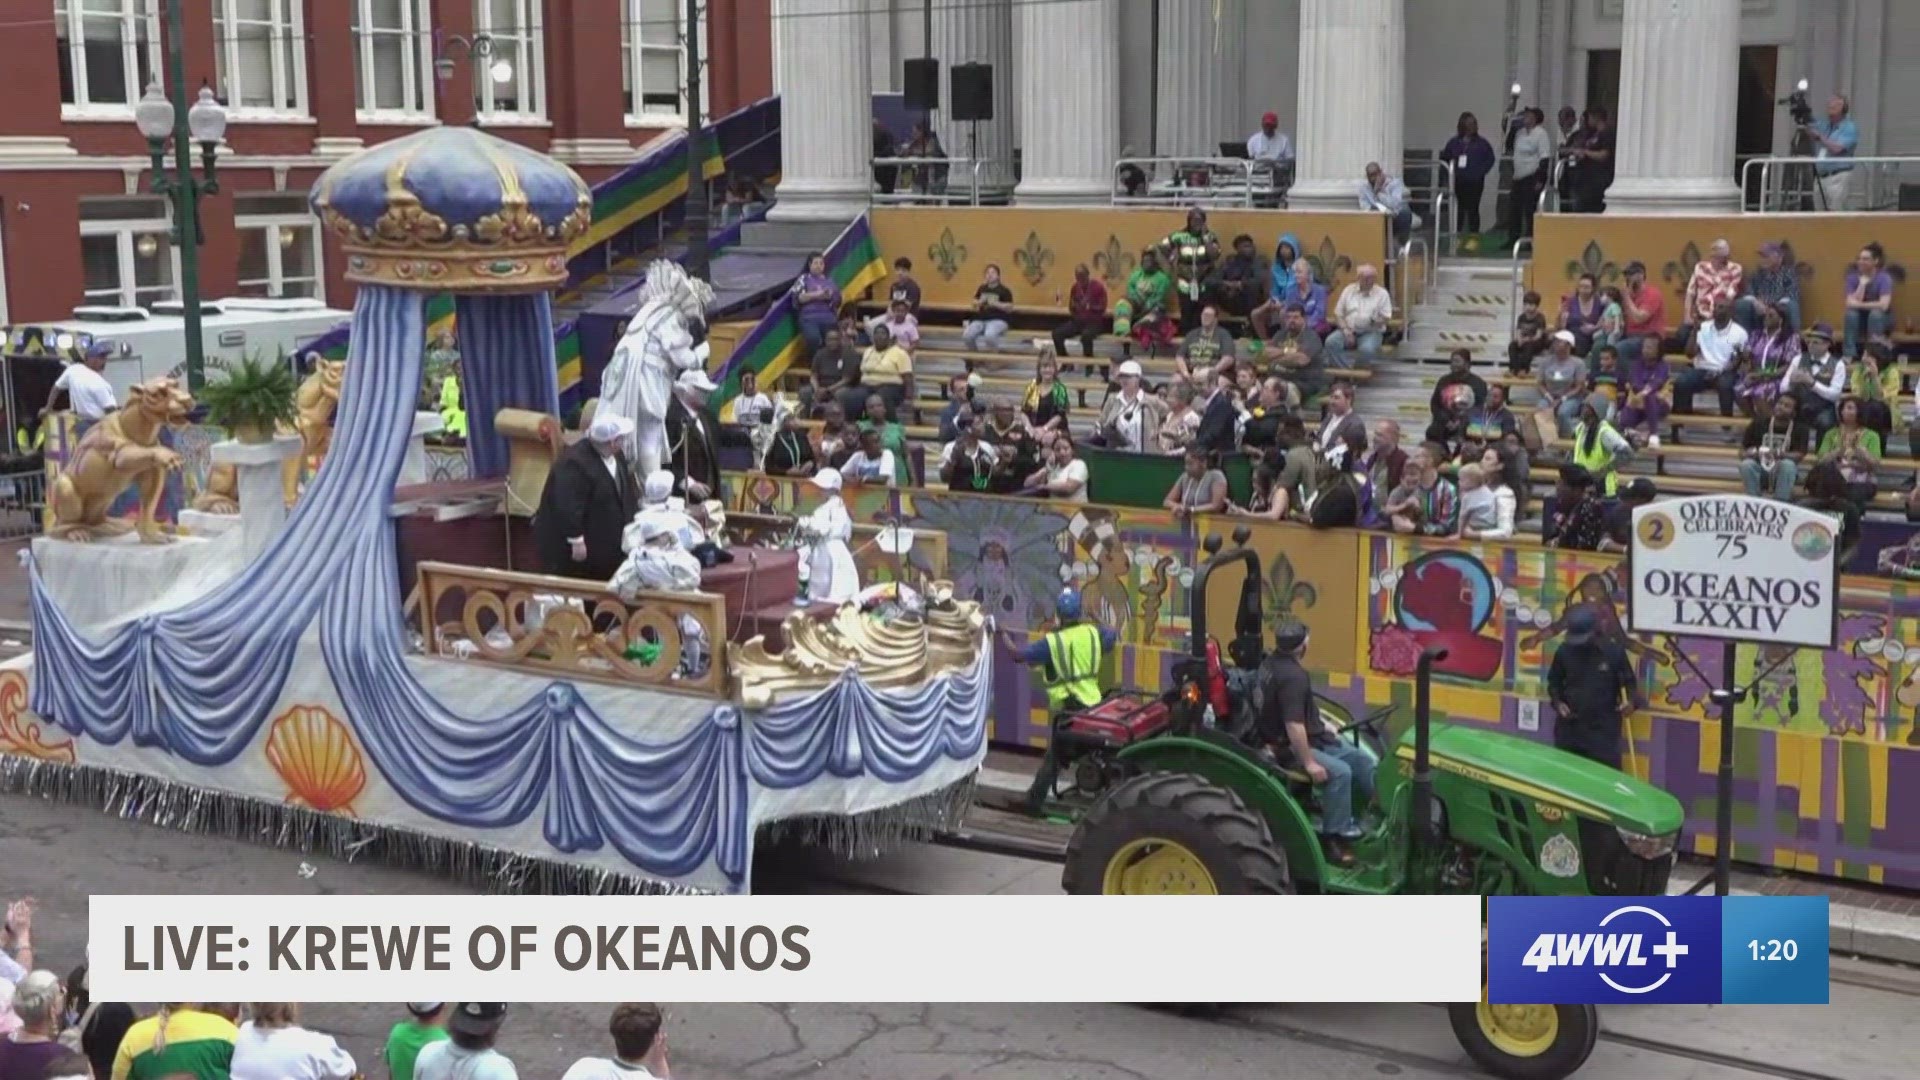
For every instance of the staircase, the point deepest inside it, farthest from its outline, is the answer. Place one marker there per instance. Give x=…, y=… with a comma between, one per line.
x=1470, y=305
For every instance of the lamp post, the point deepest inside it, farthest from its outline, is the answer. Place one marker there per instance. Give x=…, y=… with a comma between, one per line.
x=165, y=120
x=697, y=262
x=477, y=47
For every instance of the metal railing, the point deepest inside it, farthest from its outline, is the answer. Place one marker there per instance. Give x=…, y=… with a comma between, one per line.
x=1516, y=287
x=1790, y=185
x=23, y=499
x=1403, y=278
x=1433, y=192
x=1552, y=190
x=1205, y=181
x=930, y=191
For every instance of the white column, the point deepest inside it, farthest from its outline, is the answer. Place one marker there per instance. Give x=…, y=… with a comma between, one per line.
x=1201, y=101
x=826, y=111
x=977, y=32
x=263, y=505
x=1352, y=99
x=1679, y=85
x=1069, y=101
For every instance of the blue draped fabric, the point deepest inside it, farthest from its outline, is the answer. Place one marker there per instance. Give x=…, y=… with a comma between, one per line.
x=506, y=352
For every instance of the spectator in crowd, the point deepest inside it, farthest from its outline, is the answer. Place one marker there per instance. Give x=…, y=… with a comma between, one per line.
x=872, y=463
x=884, y=176
x=1448, y=430
x=1715, y=280
x=1568, y=125
x=791, y=453
x=1578, y=519
x=1770, y=352
x=1599, y=448
x=1619, y=538
x=1204, y=347
x=29, y=1048
x=183, y=1038
x=1063, y=476
x=1200, y=488
x=832, y=375
x=272, y=1045
x=1264, y=415
x=1270, y=144
x=1475, y=522
x=750, y=406
x=1529, y=335
x=1424, y=502
x=1047, y=401
x=68, y=1065
x=930, y=178
x=639, y=1047
x=1562, y=382
x=1130, y=420
x=852, y=328
x=1360, y=319
x=1876, y=380
x=1191, y=254
x=817, y=301
x=1818, y=379
x=1491, y=423
x=1294, y=459
x=900, y=324
x=16, y=941
x=903, y=287
x=1295, y=353
x=1774, y=284
x=1613, y=320
x=1827, y=494
x=836, y=438
x=467, y=1053
x=1270, y=501
x=1582, y=312
x=1219, y=414
x=99, y=1025
x=1646, y=310
x=1086, y=313
x=1281, y=275
x=1835, y=137
x=1854, y=449
x=1182, y=421
x=1869, y=300
x=1532, y=171
x=886, y=371
x=992, y=305
x=1142, y=314
x=1591, y=162
x=1717, y=349
x=1587, y=679
x=1771, y=449
x=1387, y=195
x=1340, y=420
x=959, y=400
x=893, y=437
x=1472, y=158
x=1479, y=510
x=1459, y=373
x=967, y=463
x=1014, y=443
x=1236, y=284
x=1343, y=497
x=1643, y=406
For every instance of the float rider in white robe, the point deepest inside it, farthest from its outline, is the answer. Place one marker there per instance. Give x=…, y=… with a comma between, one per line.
x=656, y=350
x=831, y=575
x=658, y=563
x=657, y=503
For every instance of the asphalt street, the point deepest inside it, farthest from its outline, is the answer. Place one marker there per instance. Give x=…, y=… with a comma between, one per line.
x=61, y=855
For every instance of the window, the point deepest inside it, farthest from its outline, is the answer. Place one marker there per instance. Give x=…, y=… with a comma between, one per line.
x=653, y=50
x=109, y=52
x=393, y=56
x=258, y=55
x=514, y=26
x=126, y=251
x=279, y=245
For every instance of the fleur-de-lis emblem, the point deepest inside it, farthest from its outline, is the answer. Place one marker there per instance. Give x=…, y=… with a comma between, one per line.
x=1114, y=263
x=1328, y=264
x=1033, y=258
x=1593, y=260
x=1285, y=591
x=1681, y=269
x=947, y=254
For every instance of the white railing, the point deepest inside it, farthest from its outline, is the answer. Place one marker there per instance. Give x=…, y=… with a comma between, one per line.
x=1552, y=190
x=1518, y=286
x=1791, y=184
x=1403, y=279
x=1438, y=188
x=928, y=191
x=1207, y=181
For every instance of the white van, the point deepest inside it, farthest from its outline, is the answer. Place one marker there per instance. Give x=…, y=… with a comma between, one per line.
x=154, y=341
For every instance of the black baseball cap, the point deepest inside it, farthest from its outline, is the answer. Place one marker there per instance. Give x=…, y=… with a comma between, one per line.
x=477, y=1017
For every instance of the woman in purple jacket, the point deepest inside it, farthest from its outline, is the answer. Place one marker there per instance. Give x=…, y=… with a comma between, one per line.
x=1581, y=313
x=1472, y=158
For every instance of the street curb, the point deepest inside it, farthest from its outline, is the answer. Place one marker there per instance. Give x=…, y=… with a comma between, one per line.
x=1857, y=931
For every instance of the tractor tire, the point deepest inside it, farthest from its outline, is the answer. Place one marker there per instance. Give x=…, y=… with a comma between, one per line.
x=1575, y=1030
x=1216, y=844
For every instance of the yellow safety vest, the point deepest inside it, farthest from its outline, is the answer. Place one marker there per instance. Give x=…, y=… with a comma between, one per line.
x=453, y=418
x=29, y=443
x=1073, y=657
x=1597, y=458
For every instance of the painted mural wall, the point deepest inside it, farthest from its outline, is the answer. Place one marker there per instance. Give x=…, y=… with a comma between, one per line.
x=1828, y=745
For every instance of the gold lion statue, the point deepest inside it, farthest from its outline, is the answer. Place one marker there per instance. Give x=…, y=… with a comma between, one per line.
x=122, y=449
x=314, y=405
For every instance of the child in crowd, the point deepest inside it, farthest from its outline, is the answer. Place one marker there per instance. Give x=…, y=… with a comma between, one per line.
x=1529, y=336
x=1606, y=377
x=1478, y=511
x=1613, y=318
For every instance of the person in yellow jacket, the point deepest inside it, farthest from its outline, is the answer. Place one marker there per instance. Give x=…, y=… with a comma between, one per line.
x=1070, y=659
x=453, y=417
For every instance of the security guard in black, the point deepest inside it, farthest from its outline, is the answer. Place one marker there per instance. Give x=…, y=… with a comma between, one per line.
x=1587, y=680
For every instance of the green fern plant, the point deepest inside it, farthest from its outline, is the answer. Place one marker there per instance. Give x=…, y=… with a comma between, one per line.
x=253, y=396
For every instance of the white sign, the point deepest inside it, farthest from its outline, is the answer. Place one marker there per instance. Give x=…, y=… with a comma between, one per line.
x=783, y=948
x=1736, y=568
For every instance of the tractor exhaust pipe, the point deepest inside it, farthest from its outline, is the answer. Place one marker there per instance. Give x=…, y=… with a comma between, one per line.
x=1422, y=808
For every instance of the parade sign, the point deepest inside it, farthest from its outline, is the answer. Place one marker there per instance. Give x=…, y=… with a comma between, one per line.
x=1736, y=568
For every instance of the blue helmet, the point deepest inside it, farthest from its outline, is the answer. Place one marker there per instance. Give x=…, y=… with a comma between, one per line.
x=1068, y=605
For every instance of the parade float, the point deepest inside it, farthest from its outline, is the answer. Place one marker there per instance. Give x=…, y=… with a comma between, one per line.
x=377, y=673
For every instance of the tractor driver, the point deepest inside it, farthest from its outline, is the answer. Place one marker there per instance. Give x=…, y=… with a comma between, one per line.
x=1070, y=660
x=1292, y=727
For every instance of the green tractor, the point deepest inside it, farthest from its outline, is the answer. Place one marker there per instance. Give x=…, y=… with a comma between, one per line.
x=1200, y=807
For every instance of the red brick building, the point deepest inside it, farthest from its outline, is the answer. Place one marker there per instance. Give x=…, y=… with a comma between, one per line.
x=306, y=82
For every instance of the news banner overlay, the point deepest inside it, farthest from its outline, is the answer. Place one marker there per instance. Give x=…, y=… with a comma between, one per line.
x=785, y=948
x=1661, y=950
x=1735, y=568
x=1773, y=950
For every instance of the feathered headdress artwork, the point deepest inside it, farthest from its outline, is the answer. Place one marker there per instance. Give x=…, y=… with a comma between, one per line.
x=668, y=282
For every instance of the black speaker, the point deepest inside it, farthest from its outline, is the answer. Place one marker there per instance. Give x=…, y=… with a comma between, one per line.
x=972, y=92
x=922, y=84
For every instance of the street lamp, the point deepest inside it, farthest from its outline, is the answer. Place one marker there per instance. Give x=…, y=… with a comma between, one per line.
x=478, y=47
x=162, y=124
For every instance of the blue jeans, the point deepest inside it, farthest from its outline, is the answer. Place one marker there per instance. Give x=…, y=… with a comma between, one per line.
x=1861, y=325
x=1402, y=223
x=1367, y=345
x=1349, y=770
x=1760, y=485
x=1747, y=312
x=813, y=330
x=1566, y=415
x=1691, y=381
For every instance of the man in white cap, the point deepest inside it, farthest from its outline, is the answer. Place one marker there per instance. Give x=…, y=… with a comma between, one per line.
x=693, y=454
x=1131, y=417
x=589, y=498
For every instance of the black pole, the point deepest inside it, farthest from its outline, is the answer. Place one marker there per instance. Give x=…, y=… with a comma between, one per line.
x=926, y=53
x=184, y=191
x=1421, y=834
x=695, y=217
x=1728, y=698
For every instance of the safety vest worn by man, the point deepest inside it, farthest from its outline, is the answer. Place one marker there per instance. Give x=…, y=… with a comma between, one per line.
x=1073, y=667
x=1597, y=458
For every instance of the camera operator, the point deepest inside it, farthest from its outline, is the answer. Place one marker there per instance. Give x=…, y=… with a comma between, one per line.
x=1833, y=140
